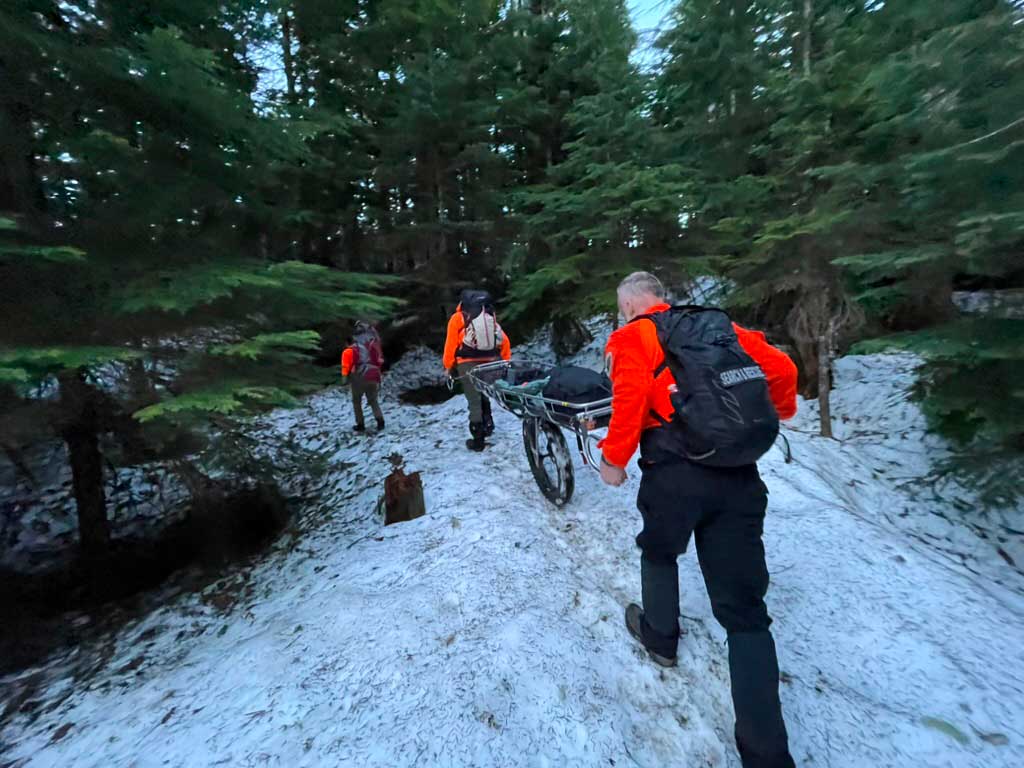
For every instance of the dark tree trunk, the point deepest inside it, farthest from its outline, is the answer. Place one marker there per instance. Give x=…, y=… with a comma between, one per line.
x=20, y=192
x=81, y=434
x=825, y=385
x=808, y=24
x=569, y=336
x=288, y=57
x=87, y=478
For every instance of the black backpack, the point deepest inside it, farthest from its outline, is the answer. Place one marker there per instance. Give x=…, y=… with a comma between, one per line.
x=724, y=416
x=573, y=384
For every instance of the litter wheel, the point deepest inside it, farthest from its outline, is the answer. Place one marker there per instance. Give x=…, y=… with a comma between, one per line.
x=550, y=460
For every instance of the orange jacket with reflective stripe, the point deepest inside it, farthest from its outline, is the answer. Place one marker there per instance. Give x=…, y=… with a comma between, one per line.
x=456, y=333
x=633, y=353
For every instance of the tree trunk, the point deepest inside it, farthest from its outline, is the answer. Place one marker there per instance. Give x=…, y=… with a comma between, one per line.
x=825, y=385
x=808, y=22
x=289, y=59
x=441, y=215
x=403, y=497
x=20, y=191
x=81, y=434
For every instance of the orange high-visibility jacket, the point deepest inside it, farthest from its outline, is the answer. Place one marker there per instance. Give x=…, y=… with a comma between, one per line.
x=634, y=353
x=456, y=333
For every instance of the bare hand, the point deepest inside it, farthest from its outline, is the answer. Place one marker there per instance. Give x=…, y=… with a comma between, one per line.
x=612, y=475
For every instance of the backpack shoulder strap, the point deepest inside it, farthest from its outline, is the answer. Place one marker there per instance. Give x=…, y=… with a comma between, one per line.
x=689, y=309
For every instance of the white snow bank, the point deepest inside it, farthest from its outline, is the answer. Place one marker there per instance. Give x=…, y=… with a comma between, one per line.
x=882, y=466
x=489, y=633
x=419, y=367
x=591, y=355
x=1007, y=303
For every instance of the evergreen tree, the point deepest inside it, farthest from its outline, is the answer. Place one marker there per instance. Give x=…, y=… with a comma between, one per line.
x=941, y=185
x=740, y=90
x=853, y=164
x=437, y=175
x=132, y=289
x=189, y=189
x=610, y=204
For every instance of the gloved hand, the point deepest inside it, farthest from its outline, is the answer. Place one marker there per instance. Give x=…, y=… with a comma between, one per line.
x=344, y=380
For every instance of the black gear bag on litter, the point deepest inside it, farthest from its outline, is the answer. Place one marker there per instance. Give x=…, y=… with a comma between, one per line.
x=573, y=384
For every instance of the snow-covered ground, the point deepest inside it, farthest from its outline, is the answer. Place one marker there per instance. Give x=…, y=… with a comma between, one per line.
x=882, y=466
x=489, y=632
x=1007, y=303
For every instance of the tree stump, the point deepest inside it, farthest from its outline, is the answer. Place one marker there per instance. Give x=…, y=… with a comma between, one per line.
x=403, y=497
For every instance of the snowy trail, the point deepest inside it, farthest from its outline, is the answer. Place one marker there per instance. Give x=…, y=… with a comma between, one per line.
x=489, y=632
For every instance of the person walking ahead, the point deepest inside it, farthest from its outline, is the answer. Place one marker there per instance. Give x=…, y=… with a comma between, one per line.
x=474, y=337
x=702, y=397
x=361, y=364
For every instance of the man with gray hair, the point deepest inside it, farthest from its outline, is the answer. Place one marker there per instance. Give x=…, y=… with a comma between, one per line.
x=662, y=361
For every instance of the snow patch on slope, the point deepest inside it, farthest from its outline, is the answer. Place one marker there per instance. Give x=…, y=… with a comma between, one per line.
x=419, y=367
x=883, y=462
x=1006, y=304
x=489, y=632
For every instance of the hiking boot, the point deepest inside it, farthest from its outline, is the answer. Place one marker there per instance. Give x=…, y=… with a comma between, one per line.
x=380, y=425
x=476, y=442
x=359, y=428
x=635, y=625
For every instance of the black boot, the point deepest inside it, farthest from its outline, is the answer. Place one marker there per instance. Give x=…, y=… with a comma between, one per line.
x=476, y=443
x=488, y=419
x=635, y=625
x=380, y=425
x=359, y=428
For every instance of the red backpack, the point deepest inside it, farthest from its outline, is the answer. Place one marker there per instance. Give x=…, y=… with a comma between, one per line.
x=369, y=358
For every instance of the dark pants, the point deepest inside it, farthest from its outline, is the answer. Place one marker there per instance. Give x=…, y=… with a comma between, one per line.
x=479, y=404
x=723, y=509
x=371, y=391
